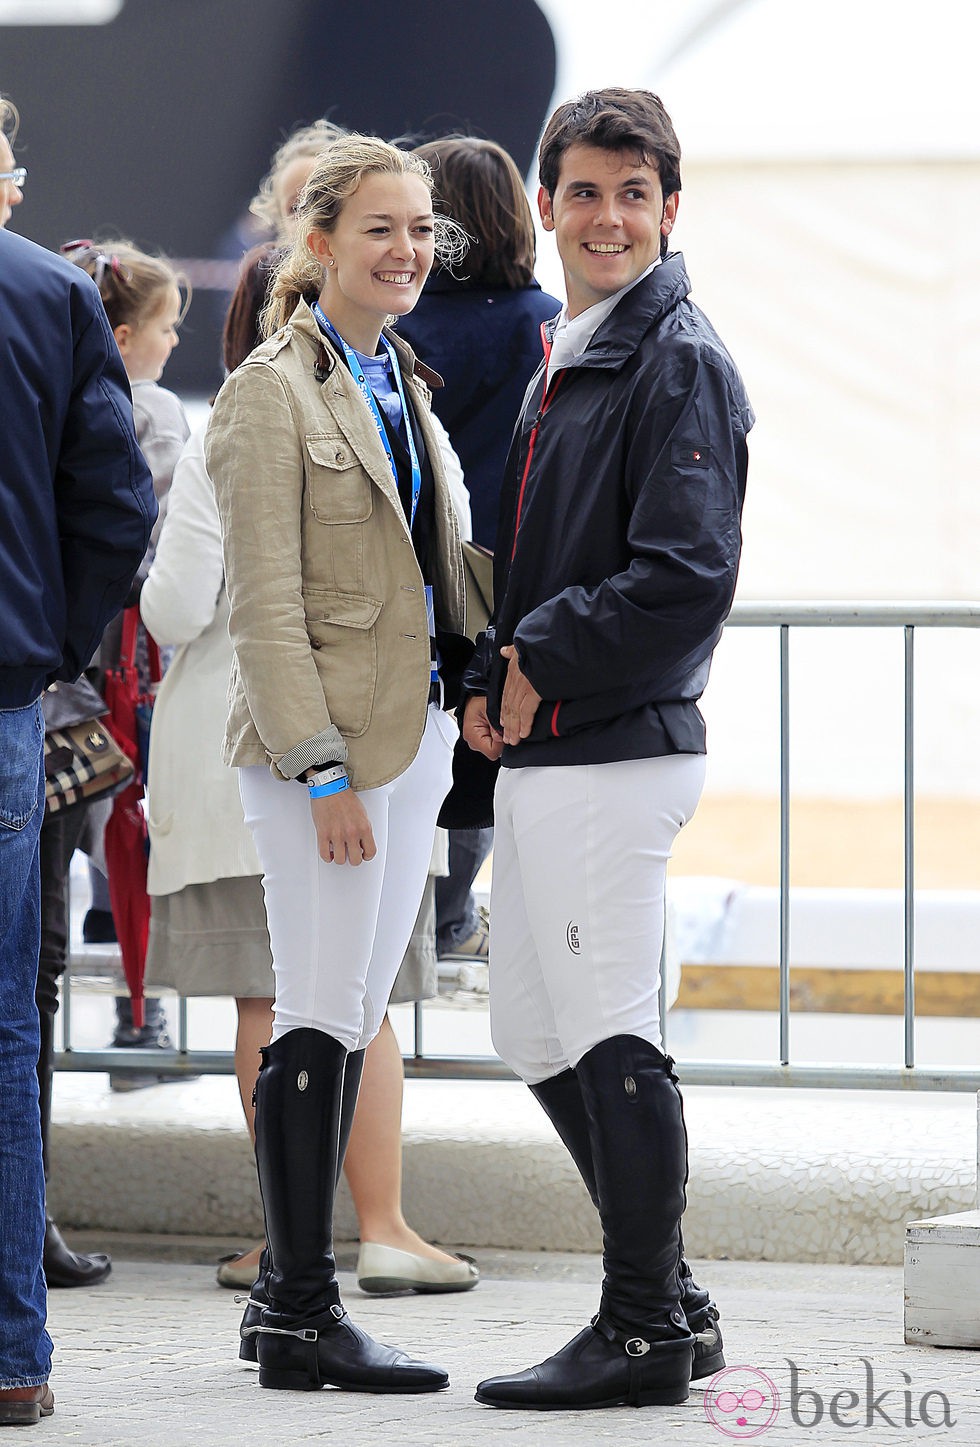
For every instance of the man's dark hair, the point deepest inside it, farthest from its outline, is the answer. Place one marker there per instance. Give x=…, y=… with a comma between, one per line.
x=615, y=120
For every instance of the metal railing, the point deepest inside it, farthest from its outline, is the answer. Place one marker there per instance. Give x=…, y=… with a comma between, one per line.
x=907, y=1075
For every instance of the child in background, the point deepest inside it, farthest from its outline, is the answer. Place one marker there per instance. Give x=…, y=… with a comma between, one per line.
x=145, y=300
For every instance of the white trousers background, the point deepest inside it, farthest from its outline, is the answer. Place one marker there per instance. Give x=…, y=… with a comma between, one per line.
x=339, y=933
x=577, y=904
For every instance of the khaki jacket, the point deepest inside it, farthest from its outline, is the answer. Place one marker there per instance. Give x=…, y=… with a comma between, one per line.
x=328, y=617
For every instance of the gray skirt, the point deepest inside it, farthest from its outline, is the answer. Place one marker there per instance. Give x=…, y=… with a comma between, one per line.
x=212, y=939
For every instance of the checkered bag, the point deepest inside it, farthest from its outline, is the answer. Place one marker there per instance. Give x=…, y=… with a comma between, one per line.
x=82, y=761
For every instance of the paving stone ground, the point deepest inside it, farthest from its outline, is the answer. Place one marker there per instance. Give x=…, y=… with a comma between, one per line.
x=149, y=1360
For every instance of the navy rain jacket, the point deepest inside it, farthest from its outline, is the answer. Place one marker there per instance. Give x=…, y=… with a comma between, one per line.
x=76, y=497
x=620, y=532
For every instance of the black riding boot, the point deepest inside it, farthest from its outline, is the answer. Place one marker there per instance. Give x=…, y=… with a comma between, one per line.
x=306, y=1340
x=258, y=1296
x=637, y=1349
x=62, y=1265
x=561, y=1100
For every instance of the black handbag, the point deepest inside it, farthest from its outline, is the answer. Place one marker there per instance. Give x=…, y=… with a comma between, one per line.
x=82, y=761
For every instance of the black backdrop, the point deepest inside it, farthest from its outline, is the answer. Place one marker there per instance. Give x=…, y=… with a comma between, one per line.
x=158, y=126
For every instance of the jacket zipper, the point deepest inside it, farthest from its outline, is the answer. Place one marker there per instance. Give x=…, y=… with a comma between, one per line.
x=550, y=390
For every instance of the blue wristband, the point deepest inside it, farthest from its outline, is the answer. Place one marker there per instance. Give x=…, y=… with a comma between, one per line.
x=321, y=791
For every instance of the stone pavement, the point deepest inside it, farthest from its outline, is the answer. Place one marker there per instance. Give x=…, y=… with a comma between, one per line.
x=149, y=1360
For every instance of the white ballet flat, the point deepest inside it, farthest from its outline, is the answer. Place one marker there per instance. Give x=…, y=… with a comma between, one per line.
x=382, y=1270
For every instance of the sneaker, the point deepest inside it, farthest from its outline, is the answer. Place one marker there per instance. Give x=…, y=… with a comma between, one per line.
x=148, y=1037
x=476, y=946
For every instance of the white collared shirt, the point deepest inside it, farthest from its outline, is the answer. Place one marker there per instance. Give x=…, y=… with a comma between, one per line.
x=573, y=335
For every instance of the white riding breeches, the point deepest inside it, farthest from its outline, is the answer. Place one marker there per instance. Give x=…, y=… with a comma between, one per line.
x=339, y=932
x=577, y=905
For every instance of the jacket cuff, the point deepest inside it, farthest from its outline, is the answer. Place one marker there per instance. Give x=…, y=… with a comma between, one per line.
x=476, y=677
x=328, y=747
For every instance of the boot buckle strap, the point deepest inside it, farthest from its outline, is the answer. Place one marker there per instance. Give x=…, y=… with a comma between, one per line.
x=305, y=1333
x=708, y=1337
x=338, y=1312
x=634, y=1346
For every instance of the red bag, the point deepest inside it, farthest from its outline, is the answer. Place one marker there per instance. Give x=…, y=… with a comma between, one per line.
x=127, y=842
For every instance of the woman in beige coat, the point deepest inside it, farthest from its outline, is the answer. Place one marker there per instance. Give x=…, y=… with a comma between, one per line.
x=344, y=581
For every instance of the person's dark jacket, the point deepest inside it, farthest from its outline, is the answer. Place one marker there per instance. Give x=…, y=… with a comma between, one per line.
x=618, y=546
x=485, y=342
x=76, y=498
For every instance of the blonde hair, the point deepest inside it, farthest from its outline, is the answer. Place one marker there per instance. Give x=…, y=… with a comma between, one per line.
x=338, y=172
x=306, y=141
x=131, y=283
x=9, y=118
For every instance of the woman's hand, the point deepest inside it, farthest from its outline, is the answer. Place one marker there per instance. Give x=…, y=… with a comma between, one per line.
x=478, y=731
x=343, y=830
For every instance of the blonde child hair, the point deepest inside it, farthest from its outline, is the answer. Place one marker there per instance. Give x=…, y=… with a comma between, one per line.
x=304, y=143
x=338, y=172
x=132, y=284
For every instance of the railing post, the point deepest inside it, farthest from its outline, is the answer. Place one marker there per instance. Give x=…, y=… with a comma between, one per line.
x=784, y=844
x=908, y=805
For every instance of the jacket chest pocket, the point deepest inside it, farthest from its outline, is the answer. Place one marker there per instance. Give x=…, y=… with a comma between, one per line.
x=342, y=636
x=339, y=490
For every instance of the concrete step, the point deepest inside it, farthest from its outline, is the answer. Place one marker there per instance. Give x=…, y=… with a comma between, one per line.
x=776, y=1175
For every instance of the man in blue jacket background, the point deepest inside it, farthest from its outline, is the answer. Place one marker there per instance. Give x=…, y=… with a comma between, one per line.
x=614, y=570
x=76, y=509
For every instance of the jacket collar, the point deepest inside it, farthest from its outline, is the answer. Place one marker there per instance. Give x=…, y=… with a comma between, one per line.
x=643, y=306
x=304, y=323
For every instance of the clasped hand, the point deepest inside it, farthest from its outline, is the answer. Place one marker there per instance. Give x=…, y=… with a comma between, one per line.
x=518, y=708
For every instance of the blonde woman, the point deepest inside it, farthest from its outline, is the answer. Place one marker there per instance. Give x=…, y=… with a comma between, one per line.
x=343, y=572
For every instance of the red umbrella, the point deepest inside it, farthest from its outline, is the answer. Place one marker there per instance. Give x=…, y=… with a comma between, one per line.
x=126, y=838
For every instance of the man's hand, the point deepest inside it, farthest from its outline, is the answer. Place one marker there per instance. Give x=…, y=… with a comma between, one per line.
x=520, y=701
x=478, y=731
x=343, y=830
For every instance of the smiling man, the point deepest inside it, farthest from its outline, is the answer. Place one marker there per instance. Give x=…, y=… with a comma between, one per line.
x=615, y=569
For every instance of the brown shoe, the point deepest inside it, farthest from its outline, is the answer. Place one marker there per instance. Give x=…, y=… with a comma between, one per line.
x=22, y=1406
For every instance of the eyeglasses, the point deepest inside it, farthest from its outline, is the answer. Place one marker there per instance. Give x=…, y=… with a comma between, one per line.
x=18, y=176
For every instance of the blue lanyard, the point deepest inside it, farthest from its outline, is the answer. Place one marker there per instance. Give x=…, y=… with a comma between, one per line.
x=356, y=372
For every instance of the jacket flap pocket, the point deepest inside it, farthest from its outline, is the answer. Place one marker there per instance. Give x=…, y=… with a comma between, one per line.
x=330, y=450
x=344, y=609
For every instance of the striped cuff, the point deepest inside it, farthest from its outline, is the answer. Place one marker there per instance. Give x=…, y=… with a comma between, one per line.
x=328, y=747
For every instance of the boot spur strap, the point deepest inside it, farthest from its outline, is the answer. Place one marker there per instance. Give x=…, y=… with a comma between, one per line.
x=633, y=1346
x=302, y=1333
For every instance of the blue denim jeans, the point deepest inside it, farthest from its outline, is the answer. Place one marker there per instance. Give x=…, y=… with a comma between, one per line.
x=25, y=1347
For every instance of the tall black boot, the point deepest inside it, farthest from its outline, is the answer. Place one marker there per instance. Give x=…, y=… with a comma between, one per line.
x=561, y=1100
x=637, y=1349
x=258, y=1296
x=306, y=1340
x=62, y=1265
